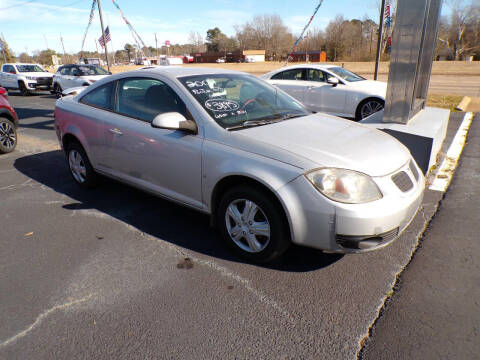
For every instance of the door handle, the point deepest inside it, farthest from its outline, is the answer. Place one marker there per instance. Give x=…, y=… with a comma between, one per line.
x=115, y=131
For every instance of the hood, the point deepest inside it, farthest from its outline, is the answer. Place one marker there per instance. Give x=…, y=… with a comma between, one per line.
x=378, y=88
x=328, y=141
x=37, y=74
x=93, y=78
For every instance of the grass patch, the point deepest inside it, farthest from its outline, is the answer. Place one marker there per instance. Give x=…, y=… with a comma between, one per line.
x=444, y=101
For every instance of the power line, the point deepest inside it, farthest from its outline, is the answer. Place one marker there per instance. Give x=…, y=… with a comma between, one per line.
x=30, y=1
x=12, y=6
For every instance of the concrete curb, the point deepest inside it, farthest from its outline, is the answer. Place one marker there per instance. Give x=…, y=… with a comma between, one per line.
x=463, y=105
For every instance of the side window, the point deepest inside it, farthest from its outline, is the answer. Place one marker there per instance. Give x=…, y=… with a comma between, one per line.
x=278, y=76
x=65, y=71
x=101, y=97
x=9, y=69
x=75, y=71
x=316, y=75
x=295, y=74
x=144, y=98
x=328, y=76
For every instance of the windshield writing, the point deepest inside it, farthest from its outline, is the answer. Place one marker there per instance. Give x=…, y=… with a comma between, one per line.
x=233, y=99
x=29, y=68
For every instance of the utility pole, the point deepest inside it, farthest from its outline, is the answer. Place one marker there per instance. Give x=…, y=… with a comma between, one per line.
x=379, y=41
x=46, y=42
x=103, y=34
x=156, y=44
x=63, y=46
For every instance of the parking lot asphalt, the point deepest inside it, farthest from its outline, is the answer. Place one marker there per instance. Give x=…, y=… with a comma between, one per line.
x=115, y=273
x=435, y=311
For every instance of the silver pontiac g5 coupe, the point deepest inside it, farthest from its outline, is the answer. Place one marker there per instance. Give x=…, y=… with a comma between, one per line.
x=228, y=144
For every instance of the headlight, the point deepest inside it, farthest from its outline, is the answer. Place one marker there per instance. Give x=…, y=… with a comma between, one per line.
x=31, y=77
x=346, y=186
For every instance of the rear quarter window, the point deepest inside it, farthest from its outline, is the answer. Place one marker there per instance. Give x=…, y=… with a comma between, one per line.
x=100, y=98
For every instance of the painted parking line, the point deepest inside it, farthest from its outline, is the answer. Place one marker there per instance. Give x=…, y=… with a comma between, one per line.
x=449, y=164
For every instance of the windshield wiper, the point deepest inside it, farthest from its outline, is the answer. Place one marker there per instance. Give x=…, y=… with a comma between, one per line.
x=264, y=121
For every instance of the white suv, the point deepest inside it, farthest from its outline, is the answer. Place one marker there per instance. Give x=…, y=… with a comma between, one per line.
x=70, y=76
x=25, y=77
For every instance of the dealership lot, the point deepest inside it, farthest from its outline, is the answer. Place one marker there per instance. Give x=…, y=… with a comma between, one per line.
x=116, y=272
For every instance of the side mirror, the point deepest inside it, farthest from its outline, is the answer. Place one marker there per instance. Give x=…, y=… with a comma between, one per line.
x=109, y=73
x=174, y=121
x=333, y=81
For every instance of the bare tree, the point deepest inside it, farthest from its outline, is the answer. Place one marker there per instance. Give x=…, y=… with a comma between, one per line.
x=265, y=32
x=459, y=34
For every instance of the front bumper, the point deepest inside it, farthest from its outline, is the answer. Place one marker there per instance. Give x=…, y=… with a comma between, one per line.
x=318, y=222
x=40, y=84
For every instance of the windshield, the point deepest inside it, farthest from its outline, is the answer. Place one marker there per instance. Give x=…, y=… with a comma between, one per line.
x=345, y=74
x=233, y=100
x=29, y=68
x=92, y=70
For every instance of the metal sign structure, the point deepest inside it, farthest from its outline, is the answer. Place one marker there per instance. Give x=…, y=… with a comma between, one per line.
x=414, y=38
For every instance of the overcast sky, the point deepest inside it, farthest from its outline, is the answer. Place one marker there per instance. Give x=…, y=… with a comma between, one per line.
x=28, y=25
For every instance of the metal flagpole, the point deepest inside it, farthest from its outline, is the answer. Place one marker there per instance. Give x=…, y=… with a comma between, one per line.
x=103, y=34
x=300, y=38
x=379, y=41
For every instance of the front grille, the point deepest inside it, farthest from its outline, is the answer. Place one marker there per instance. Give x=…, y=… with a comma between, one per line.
x=414, y=170
x=44, y=81
x=403, y=181
x=365, y=242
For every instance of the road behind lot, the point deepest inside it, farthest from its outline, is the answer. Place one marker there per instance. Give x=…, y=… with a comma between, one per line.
x=103, y=273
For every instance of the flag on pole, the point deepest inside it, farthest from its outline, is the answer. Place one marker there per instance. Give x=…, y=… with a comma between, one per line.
x=107, y=38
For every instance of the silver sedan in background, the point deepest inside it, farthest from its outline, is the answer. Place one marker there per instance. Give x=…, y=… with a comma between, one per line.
x=229, y=144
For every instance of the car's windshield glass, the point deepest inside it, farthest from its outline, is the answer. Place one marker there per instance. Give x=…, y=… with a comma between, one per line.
x=345, y=74
x=234, y=100
x=92, y=70
x=29, y=68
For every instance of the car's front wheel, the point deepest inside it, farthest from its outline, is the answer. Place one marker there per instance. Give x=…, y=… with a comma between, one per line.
x=369, y=107
x=23, y=89
x=58, y=91
x=253, y=224
x=79, y=165
x=8, y=136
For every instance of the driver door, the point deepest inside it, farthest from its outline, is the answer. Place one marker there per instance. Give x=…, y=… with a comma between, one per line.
x=324, y=97
x=168, y=162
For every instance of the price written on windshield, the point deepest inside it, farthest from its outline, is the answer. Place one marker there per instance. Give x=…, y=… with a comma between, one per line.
x=221, y=105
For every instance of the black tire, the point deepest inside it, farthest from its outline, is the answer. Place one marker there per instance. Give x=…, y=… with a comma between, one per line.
x=8, y=136
x=23, y=89
x=270, y=210
x=82, y=171
x=375, y=103
x=58, y=91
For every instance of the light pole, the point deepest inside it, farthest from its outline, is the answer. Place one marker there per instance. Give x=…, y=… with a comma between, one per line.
x=103, y=34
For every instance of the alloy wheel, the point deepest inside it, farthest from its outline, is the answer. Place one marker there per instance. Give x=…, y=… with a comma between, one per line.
x=77, y=166
x=8, y=137
x=247, y=225
x=370, y=108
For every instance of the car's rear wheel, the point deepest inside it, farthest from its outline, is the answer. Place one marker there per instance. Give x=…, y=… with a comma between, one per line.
x=58, y=91
x=252, y=224
x=369, y=107
x=79, y=165
x=23, y=88
x=8, y=136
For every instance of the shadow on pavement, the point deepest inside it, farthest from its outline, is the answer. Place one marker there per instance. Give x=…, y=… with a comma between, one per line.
x=154, y=216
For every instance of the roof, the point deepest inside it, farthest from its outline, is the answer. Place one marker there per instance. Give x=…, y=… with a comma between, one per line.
x=178, y=71
x=253, y=52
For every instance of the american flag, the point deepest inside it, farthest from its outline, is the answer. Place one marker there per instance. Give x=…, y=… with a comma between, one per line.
x=107, y=37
